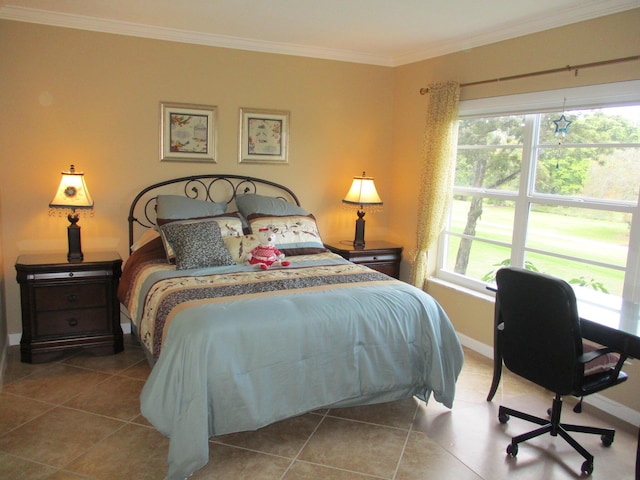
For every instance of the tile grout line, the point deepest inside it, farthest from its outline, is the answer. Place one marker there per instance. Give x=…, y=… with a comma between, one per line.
x=295, y=458
x=51, y=406
x=406, y=441
x=124, y=424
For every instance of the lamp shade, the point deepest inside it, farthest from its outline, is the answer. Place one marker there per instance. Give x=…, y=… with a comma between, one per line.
x=362, y=193
x=72, y=191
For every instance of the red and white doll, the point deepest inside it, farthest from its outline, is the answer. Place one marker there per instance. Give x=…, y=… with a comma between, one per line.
x=266, y=253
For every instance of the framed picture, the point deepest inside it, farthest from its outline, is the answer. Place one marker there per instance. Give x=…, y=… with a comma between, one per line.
x=188, y=132
x=264, y=136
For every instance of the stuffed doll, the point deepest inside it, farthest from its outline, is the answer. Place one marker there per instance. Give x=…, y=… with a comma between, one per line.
x=266, y=253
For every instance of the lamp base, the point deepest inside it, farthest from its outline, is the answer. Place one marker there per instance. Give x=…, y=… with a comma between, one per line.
x=73, y=234
x=358, y=241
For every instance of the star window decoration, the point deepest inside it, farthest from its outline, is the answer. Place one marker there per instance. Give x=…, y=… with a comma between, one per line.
x=562, y=126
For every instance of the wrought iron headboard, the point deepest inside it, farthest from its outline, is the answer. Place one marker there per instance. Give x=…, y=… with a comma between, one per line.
x=212, y=188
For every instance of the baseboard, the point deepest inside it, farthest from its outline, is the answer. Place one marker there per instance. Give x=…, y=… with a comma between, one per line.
x=3, y=362
x=14, y=338
x=598, y=401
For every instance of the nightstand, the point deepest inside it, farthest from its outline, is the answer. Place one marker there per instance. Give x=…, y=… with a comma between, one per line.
x=381, y=256
x=68, y=305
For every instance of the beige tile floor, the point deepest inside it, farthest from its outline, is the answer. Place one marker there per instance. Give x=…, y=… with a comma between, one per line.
x=78, y=418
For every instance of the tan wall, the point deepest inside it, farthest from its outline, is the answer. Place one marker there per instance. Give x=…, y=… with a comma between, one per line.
x=609, y=37
x=92, y=99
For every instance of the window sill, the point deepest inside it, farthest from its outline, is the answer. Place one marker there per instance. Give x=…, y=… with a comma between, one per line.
x=488, y=297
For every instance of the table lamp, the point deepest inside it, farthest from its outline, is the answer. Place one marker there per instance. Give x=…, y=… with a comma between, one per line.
x=73, y=194
x=363, y=196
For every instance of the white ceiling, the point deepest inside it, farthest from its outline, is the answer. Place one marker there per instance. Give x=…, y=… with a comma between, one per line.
x=378, y=32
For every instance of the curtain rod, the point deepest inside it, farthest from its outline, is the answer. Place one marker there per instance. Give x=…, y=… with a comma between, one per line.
x=568, y=68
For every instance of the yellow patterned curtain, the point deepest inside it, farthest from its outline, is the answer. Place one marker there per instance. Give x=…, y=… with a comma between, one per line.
x=438, y=165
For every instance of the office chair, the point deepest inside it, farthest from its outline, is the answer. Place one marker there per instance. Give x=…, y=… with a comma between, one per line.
x=541, y=342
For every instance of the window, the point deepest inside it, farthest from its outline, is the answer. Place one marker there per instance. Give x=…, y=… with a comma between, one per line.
x=526, y=195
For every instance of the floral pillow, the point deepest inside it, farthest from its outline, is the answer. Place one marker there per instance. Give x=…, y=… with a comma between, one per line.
x=196, y=244
x=240, y=247
x=295, y=234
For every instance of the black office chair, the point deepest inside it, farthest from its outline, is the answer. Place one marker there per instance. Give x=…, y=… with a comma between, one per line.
x=541, y=342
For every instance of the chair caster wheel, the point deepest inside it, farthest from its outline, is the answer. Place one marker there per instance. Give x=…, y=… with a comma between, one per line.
x=587, y=468
x=512, y=450
x=503, y=418
x=606, y=440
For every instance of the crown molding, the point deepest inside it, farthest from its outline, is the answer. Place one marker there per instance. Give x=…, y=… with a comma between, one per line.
x=587, y=10
x=83, y=22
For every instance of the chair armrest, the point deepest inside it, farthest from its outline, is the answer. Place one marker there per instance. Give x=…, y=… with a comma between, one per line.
x=612, y=360
x=593, y=354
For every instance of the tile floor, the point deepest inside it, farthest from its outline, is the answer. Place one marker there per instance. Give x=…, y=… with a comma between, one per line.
x=78, y=418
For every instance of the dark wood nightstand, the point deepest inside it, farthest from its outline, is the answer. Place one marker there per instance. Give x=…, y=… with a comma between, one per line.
x=69, y=305
x=381, y=256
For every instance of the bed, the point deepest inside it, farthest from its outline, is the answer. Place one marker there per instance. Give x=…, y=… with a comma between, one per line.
x=235, y=347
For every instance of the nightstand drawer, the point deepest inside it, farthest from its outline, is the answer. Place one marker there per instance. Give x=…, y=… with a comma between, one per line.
x=70, y=296
x=390, y=269
x=68, y=275
x=382, y=257
x=72, y=322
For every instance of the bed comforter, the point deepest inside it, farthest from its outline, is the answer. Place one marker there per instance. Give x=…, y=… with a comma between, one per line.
x=239, y=348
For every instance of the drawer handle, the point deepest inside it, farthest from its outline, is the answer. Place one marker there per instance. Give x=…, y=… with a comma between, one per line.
x=72, y=322
x=72, y=298
x=375, y=258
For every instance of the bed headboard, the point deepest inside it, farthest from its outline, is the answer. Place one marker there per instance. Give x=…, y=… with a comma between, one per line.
x=211, y=188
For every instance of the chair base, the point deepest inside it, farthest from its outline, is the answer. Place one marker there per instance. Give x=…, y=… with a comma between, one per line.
x=554, y=427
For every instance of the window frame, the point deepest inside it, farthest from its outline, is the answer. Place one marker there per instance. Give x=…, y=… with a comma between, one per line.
x=595, y=96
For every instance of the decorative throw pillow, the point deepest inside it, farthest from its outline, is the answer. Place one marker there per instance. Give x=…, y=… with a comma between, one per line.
x=229, y=226
x=196, y=244
x=295, y=234
x=251, y=203
x=240, y=247
x=175, y=207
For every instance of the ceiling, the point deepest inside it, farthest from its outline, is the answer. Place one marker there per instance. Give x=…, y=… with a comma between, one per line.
x=378, y=32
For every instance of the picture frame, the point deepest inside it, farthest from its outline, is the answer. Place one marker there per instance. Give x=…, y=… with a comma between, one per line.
x=188, y=133
x=264, y=136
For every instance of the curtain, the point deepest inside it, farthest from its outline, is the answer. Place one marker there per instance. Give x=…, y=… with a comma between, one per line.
x=437, y=170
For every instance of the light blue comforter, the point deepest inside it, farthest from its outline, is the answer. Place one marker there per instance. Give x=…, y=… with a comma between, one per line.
x=244, y=361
